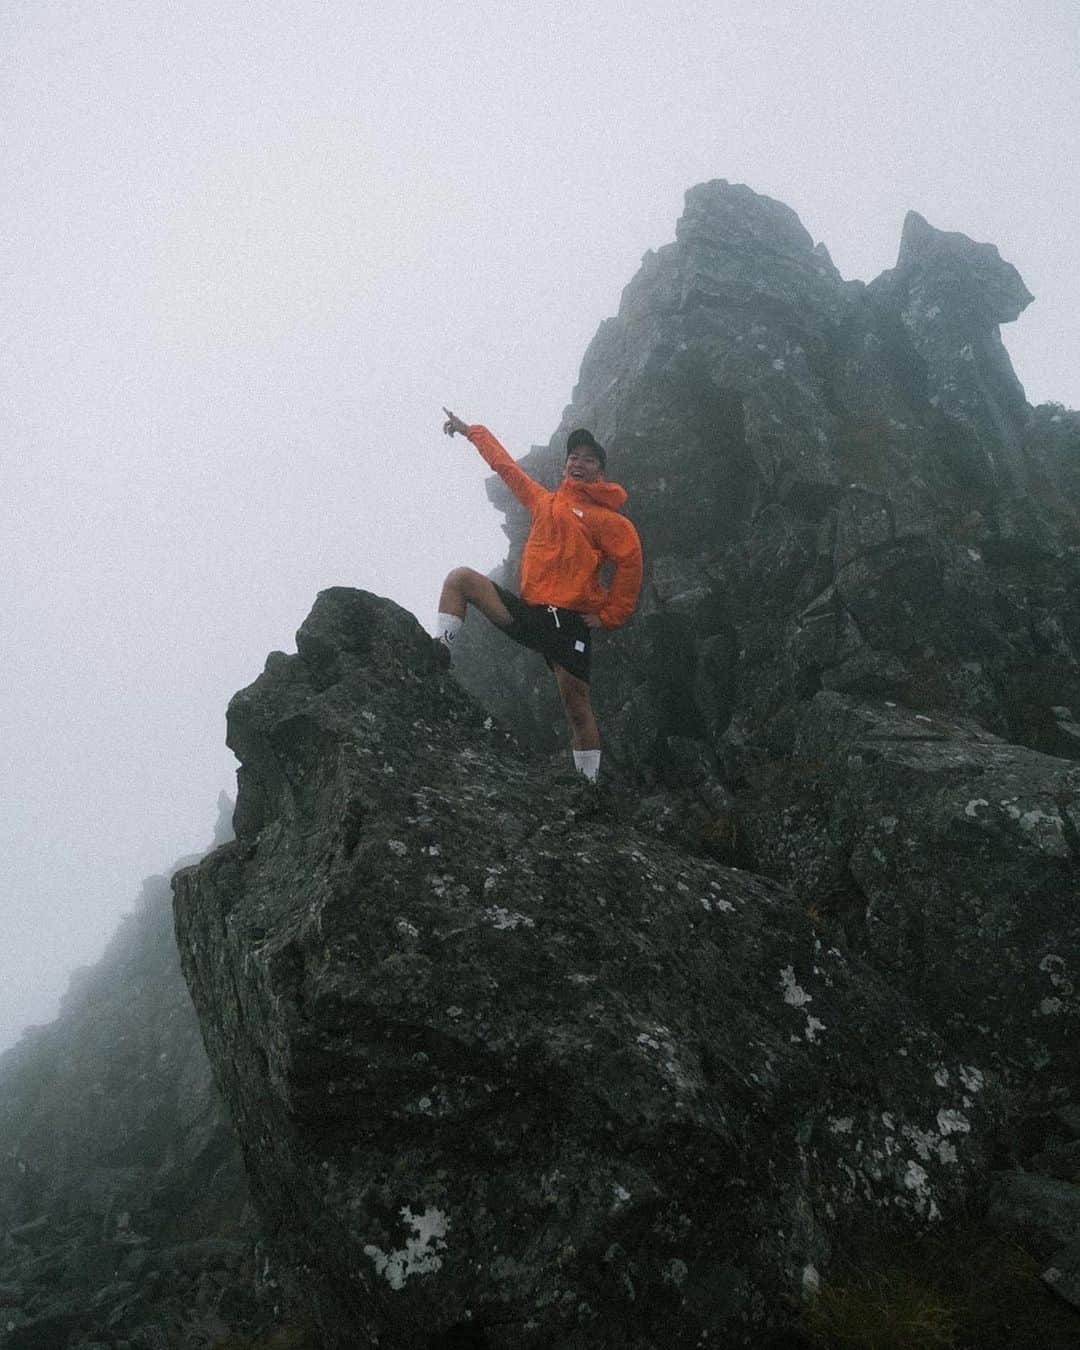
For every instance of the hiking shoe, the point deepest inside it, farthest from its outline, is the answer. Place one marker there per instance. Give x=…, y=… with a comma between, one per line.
x=441, y=652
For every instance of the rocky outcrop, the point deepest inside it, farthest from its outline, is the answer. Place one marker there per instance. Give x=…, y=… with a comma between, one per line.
x=952, y=296
x=123, y=1207
x=511, y=1061
x=856, y=665
x=949, y=858
x=508, y=1068
x=837, y=486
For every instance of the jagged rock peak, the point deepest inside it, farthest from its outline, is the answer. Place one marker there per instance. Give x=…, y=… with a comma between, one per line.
x=993, y=285
x=733, y=212
x=736, y=235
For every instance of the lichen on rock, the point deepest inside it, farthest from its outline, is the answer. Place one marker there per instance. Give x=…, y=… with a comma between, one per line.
x=598, y=1108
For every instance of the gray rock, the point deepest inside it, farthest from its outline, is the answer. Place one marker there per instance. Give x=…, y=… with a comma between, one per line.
x=499, y=1060
x=1060, y=1160
x=953, y=294
x=1062, y=1275
x=964, y=851
x=149, y=1337
x=1041, y=1209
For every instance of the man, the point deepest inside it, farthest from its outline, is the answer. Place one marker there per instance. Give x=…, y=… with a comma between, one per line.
x=575, y=532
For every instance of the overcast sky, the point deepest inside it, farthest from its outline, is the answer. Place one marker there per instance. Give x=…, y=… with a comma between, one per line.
x=248, y=250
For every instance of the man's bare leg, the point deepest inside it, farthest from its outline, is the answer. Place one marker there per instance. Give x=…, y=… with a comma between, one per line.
x=465, y=586
x=584, y=733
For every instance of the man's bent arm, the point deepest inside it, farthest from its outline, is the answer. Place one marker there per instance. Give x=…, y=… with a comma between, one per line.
x=528, y=492
x=624, y=548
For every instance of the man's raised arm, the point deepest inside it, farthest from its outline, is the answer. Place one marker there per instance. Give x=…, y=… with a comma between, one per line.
x=528, y=492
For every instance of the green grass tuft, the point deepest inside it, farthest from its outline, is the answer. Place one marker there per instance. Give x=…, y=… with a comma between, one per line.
x=964, y=1288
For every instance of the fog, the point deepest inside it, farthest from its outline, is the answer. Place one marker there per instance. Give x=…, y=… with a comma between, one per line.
x=248, y=251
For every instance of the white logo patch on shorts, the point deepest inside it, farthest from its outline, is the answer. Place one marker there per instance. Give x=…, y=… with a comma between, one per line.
x=579, y=646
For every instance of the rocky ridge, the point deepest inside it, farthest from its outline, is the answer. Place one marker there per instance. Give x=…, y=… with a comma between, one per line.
x=124, y=1218
x=515, y=1063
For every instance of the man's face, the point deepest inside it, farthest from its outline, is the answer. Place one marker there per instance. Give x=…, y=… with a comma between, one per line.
x=582, y=465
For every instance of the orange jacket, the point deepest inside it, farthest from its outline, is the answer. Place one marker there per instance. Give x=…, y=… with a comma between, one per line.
x=575, y=531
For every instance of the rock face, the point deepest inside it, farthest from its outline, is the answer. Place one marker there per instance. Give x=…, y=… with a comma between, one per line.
x=837, y=486
x=507, y=1068
x=123, y=1206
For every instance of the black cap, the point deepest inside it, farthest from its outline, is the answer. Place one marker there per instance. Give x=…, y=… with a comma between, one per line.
x=581, y=437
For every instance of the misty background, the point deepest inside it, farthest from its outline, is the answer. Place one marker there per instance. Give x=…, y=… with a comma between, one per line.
x=248, y=251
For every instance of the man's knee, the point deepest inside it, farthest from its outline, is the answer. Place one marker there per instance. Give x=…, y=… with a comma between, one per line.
x=458, y=577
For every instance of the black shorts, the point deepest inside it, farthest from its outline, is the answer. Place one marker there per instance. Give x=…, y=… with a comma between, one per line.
x=561, y=636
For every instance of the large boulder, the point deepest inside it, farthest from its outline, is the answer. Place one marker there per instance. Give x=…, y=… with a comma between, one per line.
x=507, y=1068
x=952, y=858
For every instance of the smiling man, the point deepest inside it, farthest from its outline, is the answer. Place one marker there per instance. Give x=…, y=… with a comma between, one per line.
x=576, y=531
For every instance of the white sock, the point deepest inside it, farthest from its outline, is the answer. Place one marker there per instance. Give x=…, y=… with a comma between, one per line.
x=587, y=762
x=447, y=627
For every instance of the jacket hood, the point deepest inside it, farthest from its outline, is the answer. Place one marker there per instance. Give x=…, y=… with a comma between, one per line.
x=600, y=493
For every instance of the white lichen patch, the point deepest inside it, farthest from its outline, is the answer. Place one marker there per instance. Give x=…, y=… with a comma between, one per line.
x=407, y=929
x=797, y=997
x=917, y=1178
x=972, y=1078
x=793, y=994
x=1054, y=967
x=397, y=847
x=420, y=1255
x=1045, y=828
x=499, y=917
x=675, y=1272
x=973, y=806
x=621, y=1193
x=657, y=1042
x=714, y=903
x=953, y=1122
x=841, y=1124
x=941, y=1077
x=811, y=1280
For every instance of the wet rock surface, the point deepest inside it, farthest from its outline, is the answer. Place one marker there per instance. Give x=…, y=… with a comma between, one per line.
x=503, y=1063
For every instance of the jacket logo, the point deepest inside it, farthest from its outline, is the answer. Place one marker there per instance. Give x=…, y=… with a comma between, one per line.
x=580, y=514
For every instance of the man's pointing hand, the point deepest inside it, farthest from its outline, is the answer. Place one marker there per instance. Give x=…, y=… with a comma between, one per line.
x=454, y=423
